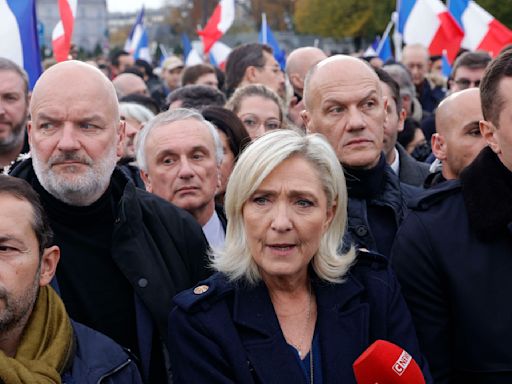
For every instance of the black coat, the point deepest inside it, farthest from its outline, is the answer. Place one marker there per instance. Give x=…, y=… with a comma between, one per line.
x=231, y=334
x=453, y=257
x=159, y=248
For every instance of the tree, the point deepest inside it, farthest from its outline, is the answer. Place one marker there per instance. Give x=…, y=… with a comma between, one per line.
x=501, y=10
x=347, y=18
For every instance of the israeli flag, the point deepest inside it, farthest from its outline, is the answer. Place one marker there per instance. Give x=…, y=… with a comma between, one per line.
x=20, y=42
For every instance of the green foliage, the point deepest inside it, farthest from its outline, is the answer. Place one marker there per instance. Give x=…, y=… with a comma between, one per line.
x=341, y=18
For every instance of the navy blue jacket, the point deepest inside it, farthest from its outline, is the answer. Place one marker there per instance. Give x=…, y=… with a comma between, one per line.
x=231, y=334
x=453, y=257
x=375, y=229
x=99, y=360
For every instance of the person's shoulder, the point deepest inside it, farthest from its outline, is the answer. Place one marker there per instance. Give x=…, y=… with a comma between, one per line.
x=372, y=270
x=204, y=294
x=97, y=356
x=439, y=194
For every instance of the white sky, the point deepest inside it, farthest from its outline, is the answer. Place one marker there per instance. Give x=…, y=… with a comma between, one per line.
x=131, y=5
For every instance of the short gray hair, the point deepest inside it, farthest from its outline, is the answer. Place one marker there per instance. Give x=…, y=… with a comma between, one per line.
x=403, y=77
x=257, y=161
x=168, y=117
x=135, y=111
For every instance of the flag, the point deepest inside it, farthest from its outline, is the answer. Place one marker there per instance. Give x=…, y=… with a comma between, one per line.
x=191, y=55
x=18, y=21
x=380, y=48
x=137, y=42
x=61, y=35
x=446, y=68
x=482, y=30
x=220, y=21
x=429, y=23
x=267, y=37
x=219, y=54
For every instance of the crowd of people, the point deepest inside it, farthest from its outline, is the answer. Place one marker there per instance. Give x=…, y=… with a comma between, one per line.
x=187, y=224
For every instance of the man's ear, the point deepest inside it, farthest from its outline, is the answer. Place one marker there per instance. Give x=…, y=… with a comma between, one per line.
x=306, y=117
x=488, y=130
x=49, y=262
x=401, y=119
x=146, y=179
x=386, y=112
x=251, y=73
x=29, y=131
x=438, y=145
x=121, y=132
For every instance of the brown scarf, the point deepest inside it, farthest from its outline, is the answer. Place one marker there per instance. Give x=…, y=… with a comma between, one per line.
x=45, y=347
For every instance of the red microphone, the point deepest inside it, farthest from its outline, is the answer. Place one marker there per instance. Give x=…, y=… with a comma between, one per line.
x=386, y=363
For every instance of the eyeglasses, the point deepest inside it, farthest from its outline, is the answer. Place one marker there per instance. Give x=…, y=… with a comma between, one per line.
x=464, y=83
x=253, y=122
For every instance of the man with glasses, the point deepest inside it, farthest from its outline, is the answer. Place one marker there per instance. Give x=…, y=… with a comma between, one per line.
x=468, y=70
x=253, y=63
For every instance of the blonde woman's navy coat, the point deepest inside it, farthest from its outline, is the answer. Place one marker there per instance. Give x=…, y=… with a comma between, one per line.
x=230, y=332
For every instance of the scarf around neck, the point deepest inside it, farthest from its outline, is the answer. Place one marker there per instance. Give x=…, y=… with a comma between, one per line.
x=46, y=345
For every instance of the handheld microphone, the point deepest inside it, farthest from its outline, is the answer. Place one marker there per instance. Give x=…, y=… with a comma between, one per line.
x=386, y=363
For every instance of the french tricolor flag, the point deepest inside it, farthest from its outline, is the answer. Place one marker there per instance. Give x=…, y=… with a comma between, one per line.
x=61, y=35
x=429, y=23
x=19, y=42
x=483, y=31
x=220, y=21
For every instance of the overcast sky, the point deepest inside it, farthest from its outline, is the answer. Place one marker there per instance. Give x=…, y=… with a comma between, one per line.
x=132, y=5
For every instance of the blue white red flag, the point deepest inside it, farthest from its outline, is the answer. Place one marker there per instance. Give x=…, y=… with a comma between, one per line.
x=18, y=21
x=482, y=30
x=137, y=42
x=217, y=25
x=429, y=23
x=219, y=54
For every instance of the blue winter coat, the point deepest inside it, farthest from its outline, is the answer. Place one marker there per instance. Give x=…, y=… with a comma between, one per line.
x=231, y=334
x=99, y=360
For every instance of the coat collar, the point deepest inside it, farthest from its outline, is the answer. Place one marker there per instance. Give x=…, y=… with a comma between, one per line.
x=487, y=188
x=339, y=323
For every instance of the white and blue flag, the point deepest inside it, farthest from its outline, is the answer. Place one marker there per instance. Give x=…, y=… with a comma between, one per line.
x=20, y=41
x=137, y=43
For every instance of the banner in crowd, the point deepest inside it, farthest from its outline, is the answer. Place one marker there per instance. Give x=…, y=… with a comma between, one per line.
x=63, y=31
x=137, y=42
x=220, y=21
x=18, y=21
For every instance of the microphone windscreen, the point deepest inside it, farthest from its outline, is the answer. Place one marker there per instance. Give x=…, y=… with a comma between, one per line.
x=386, y=363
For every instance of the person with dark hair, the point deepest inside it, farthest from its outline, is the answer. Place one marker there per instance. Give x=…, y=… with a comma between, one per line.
x=119, y=61
x=234, y=139
x=409, y=170
x=145, y=101
x=468, y=70
x=253, y=63
x=125, y=252
x=13, y=112
x=38, y=341
x=155, y=85
x=452, y=253
x=413, y=140
x=195, y=96
x=199, y=74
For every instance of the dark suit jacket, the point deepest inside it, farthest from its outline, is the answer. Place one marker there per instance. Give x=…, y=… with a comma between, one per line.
x=231, y=334
x=411, y=171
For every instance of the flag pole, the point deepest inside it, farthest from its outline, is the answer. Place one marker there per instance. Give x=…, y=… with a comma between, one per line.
x=264, y=28
x=397, y=37
x=384, y=36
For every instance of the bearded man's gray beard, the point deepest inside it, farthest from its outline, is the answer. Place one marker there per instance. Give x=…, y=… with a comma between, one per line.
x=81, y=189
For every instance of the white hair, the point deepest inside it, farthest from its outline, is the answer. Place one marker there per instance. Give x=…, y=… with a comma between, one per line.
x=135, y=111
x=254, y=165
x=168, y=117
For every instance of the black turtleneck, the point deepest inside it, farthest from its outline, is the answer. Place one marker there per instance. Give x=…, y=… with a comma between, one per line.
x=368, y=184
x=92, y=287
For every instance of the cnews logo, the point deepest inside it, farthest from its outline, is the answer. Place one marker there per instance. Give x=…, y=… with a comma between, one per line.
x=401, y=364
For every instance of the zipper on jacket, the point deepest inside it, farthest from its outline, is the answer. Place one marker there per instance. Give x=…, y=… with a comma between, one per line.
x=113, y=371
